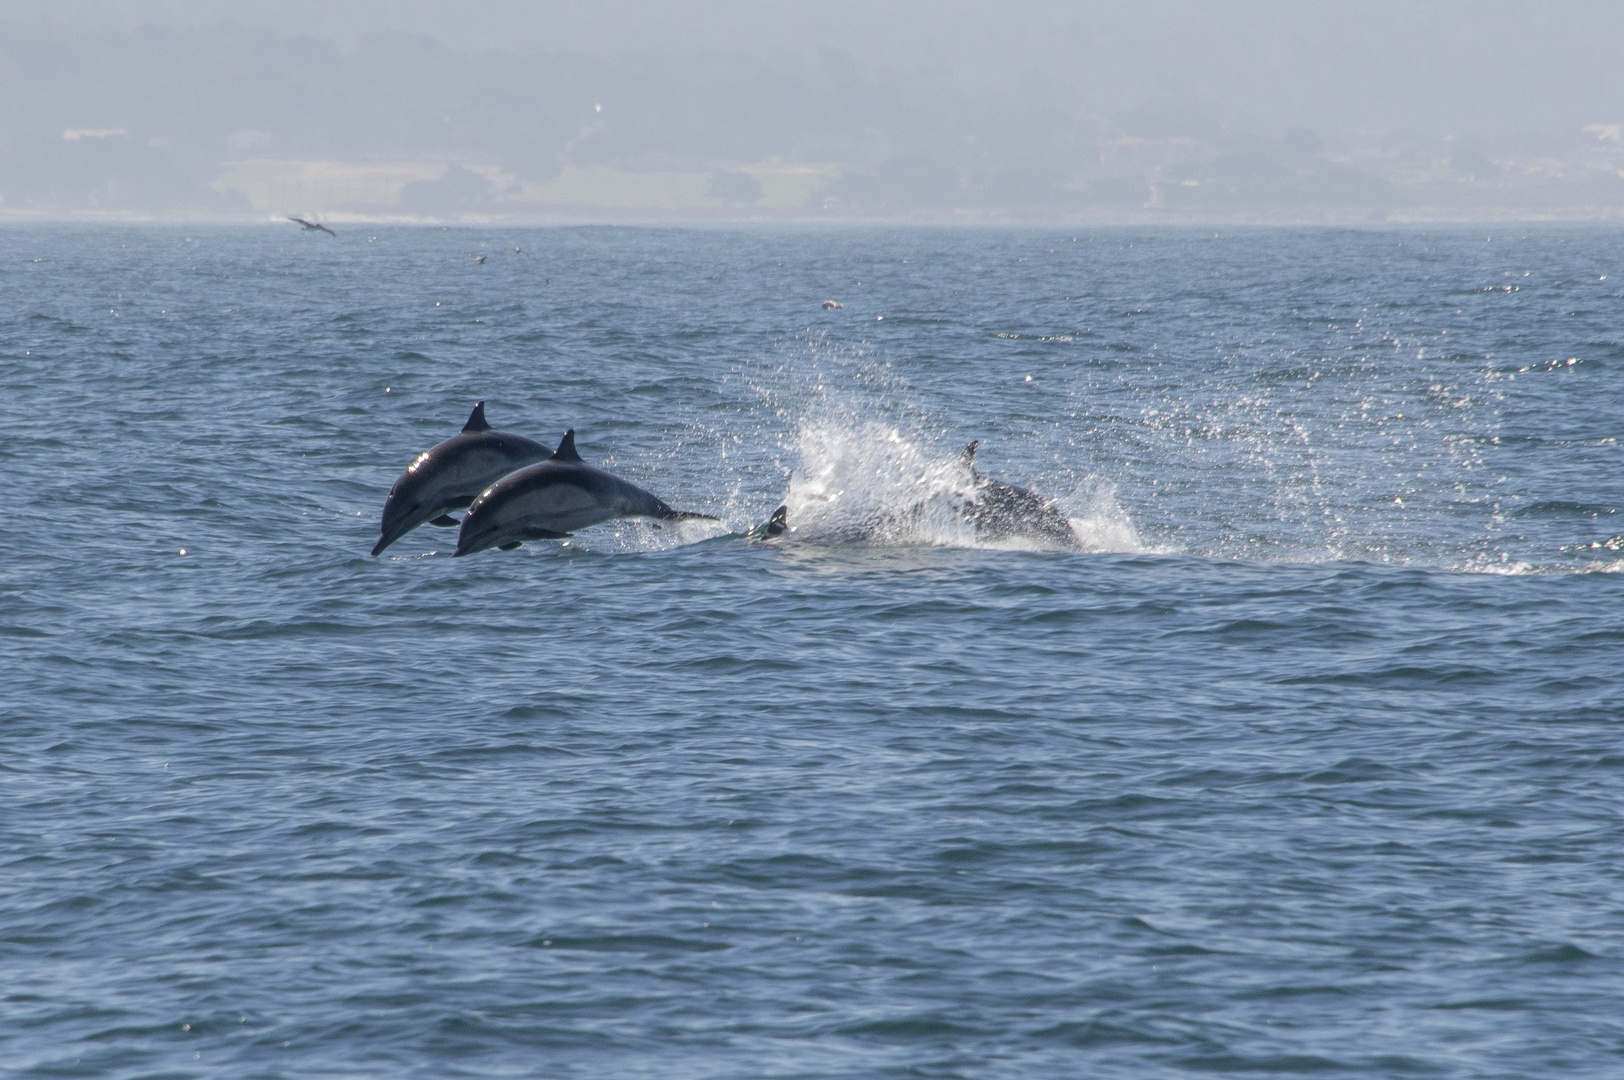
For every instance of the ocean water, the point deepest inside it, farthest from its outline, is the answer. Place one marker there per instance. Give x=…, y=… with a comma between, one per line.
x=1309, y=764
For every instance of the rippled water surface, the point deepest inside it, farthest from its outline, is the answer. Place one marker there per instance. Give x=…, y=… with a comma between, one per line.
x=1310, y=762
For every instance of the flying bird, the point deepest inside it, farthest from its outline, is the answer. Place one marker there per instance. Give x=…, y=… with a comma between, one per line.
x=312, y=226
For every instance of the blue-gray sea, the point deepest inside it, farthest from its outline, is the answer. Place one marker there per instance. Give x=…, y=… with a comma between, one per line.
x=1310, y=763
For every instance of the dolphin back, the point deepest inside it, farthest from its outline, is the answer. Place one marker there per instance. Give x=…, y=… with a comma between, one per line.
x=1004, y=510
x=554, y=498
x=452, y=474
x=631, y=500
x=640, y=502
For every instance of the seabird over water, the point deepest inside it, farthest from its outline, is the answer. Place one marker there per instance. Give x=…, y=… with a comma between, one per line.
x=312, y=226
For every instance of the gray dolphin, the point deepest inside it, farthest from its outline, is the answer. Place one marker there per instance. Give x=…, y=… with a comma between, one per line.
x=551, y=500
x=451, y=475
x=1001, y=511
x=997, y=510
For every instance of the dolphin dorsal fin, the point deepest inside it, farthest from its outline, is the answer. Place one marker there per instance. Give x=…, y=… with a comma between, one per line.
x=476, y=421
x=968, y=458
x=566, y=449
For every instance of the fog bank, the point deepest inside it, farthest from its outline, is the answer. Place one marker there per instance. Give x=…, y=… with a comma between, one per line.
x=1171, y=111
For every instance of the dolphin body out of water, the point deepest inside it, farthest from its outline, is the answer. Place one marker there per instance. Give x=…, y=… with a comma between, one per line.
x=1001, y=511
x=451, y=475
x=551, y=500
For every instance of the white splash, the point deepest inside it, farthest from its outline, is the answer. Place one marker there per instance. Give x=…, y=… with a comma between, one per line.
x=867, y=481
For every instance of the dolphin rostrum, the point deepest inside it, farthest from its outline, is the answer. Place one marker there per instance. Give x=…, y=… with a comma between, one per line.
x=1001, y=511
x=551, y=500
x=451, y=476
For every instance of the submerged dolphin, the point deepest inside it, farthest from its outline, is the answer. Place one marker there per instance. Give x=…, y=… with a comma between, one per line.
x=997, y=510
x=551, y=500
x=1001, y=511
x=451, y=476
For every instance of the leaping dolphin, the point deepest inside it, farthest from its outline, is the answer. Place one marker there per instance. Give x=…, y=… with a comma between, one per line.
x=551, y=500
x=1001, y=511
x=451, y=475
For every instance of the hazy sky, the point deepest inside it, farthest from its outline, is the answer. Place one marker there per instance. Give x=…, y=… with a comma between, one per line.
x=1482, y=64
x=1494, y=86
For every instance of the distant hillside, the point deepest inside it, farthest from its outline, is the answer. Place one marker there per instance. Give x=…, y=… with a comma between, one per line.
x=238, y=123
